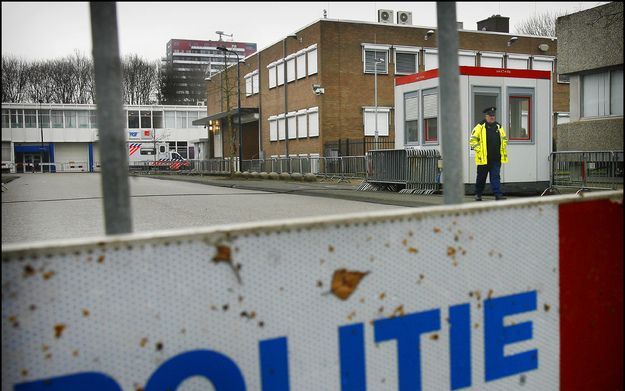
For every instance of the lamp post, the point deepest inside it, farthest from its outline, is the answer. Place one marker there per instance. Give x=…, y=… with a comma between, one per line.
x=41, y=129
x=377, y=61
x=224, y=49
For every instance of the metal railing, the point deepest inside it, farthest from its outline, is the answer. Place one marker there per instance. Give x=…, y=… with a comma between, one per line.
x=407, y=170
x=586, y=170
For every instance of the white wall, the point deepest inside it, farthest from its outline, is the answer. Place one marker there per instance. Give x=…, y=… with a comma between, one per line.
x=67, y=152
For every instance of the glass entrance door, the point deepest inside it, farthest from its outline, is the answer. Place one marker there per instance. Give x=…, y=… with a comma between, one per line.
x=31, y=160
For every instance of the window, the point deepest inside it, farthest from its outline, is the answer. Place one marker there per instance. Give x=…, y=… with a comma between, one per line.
x=30, y=118
x=170, y=119
x=6, y=122
x=376, y=61
x=406, y=60
x=281, y=127
x=370, y=121
x=491, y=60
x=466, y=58
x=280, y=72
x=255, y=81
x=146, y=119
x=602, y=94
x=248, y=85
x=147, y=151
x=517, y=61
x=541, y=63
x=70, y=119
x=430, y=59
x=520, y=118
x=411, y=114
x=301, y=64
x=83, y=119
x=17, y=118
x=93, y=119
x=313, y=122
x=311, y=54
x=292, y=124
x=157, y=119
x=302, y=124
x=290, y=68
x=57, y=119
x=133, y=119
x=273, y=128
x=181, y=119
x=271, y=69
x=430, y=116
x=44, y=118
x=564, y=79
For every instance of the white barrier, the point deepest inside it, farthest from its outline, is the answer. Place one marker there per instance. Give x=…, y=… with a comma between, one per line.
x=436, y=299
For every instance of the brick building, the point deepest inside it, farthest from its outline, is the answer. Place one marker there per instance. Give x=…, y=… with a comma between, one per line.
x=330, y=76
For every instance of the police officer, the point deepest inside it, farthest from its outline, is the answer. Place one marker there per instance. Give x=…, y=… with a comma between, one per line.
x=489, y=141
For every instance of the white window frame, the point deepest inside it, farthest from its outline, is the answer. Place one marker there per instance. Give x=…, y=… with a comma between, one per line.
x=313, y=122
x=273, y=128
x=300, y=67
x=281, y=129
x=290, y=68
x=249, y=88
x=311, y=59
x=491, y=55
x=302, y=124
x=543, y=59
x=430, y=59
x=383, y=112
x=466, y=54
x=406, y=50
x=516, y=58
x=271, y=71
x=292, y=122
x=367, y=47
x=255, y=82
x=280, y=72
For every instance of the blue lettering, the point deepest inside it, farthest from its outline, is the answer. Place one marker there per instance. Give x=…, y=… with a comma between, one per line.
x=220, y=370
x=460, y=345
x=496, y=336
x=352, y=357
x=80, y=381
x=274, y=364
x=407, y=331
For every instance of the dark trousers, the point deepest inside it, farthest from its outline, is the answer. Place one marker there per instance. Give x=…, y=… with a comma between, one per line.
x=483, y=171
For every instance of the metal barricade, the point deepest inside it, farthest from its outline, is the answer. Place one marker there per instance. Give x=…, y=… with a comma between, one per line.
x=405, y=170
x=585, y=170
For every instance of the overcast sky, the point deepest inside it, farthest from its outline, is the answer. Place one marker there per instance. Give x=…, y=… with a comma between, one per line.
x=33, y=30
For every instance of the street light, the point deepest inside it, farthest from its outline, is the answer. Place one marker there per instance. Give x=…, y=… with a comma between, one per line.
x=376, y=62
x=224, y=49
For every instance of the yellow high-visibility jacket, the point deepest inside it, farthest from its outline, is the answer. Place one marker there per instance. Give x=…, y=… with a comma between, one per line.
x=478, y=143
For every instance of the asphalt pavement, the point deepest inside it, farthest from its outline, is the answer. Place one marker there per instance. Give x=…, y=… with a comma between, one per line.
x=346, y=189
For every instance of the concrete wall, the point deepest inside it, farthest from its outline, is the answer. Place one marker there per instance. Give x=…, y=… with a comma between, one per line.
x=590, y=39
x=591, y=135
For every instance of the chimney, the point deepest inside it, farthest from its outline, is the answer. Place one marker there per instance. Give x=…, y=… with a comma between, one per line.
x=498, y=23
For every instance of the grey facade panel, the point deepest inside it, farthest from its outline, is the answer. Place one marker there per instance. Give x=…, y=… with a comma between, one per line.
x=591, y=135
x=590, y=39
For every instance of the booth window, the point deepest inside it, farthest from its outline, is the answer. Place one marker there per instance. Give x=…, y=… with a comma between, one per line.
x=520, y=125
x=411, y=117
x=430, y=116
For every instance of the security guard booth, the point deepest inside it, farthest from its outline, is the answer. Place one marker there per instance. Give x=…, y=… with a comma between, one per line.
x=523, y=101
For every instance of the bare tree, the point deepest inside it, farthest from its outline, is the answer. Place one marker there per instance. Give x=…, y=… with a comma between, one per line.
x=543, y=25
x=14, y=79
x=84, y=76
x=226, y=86
x=140, y=80
x=64, y=80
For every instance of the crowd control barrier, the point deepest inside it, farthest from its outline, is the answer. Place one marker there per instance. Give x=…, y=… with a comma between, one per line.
x=523, y=294
x=407, y=170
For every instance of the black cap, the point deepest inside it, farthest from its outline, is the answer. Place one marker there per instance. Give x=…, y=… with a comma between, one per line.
x=490, y=110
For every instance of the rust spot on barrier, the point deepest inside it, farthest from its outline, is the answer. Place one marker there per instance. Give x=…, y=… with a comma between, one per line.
x=48, y=275
x=24, y=372
x=412, y=250
x=351, y=315
x=381, y=309
x=14, y=322
x=404, y=242
x=434, y=337
x=32, y=307
x=436, y=230
x=144, y=341
x=399, y=311
x=240, y=299
x=159, y=346
x=248, y=315
x=29, y=271
x=382, y=295
x=421, y=277
x=490, y=294
x=44, y=348
x=85, y=312
x=101, y=259
x=138, y=387
x=75, y=353
x=362, y=300
x=224, y=254
x=547, y=307
x=345, y=282
x=451, y=251
x=225, y=307
x=261, y=324
x=331, y=248
x=48, y=356
x=319, y=284
x=59, y=328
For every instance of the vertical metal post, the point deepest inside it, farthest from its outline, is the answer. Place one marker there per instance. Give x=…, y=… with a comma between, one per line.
x=113, y=149
x=286, y=120
x=375, y=70
x=41, y=128
x=239, y=114
x=453, y=190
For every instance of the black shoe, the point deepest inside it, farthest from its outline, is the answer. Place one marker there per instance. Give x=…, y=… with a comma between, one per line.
x=500, y=197
x=478, y=197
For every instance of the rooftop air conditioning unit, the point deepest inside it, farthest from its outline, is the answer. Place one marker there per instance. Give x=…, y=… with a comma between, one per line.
x=385, y=16
x=404, y=17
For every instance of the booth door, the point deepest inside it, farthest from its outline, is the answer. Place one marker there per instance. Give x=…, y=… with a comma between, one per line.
x=483, y=97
